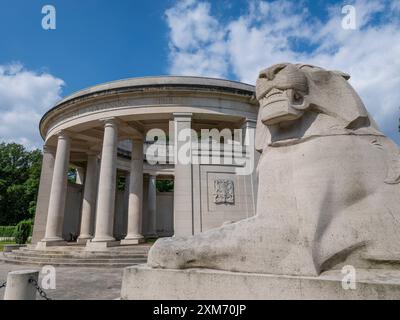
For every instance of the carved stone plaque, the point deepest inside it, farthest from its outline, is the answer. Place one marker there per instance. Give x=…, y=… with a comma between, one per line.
x=224, y=191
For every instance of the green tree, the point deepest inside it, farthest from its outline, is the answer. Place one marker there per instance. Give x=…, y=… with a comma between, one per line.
x=22, y=231
x=165, y=185
x=19, y=182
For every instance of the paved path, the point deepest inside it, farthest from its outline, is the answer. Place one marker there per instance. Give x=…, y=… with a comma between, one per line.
x=75, y=283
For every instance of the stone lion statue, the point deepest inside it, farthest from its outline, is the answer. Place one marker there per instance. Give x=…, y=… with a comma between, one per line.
x=328, y=186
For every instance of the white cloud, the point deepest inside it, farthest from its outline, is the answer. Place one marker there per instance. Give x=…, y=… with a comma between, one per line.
x=24, y=97
x=272, y=32
x=196, y=40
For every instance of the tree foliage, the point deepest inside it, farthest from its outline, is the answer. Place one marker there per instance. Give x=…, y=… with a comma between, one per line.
x=165, y=185
x=22, y=231
x=19, y=182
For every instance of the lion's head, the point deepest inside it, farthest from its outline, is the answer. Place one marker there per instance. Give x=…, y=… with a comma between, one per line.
x=299, y=100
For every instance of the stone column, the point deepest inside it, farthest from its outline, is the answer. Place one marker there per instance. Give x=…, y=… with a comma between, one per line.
x=251, y=180
x=80, y=175
x=183, y=211
x=103, y=236
x=89, y=199
x=55, y=216
x=126, y=200
x=42, y=204
x=134, y=235
x=152, y=206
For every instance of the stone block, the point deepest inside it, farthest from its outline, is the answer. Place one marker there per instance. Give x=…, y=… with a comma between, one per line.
x=101, y=245
x=141, y=282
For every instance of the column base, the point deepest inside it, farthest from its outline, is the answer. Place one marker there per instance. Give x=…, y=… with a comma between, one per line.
x=42, y=245
x=101, y=245
x=132, y=240
x=83, y=240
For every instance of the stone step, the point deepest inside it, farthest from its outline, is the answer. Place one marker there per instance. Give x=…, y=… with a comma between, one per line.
x=73, y=264
x=81, y=252
x=83, y=248
x=75, y=260
x=77, y=255
x=80, y=249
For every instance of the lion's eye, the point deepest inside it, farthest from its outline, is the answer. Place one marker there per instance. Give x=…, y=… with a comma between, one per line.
x=321, y=76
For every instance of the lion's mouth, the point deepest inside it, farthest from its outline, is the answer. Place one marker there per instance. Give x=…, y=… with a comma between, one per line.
x=275, y=95
x=280, y=105
x=274, y=92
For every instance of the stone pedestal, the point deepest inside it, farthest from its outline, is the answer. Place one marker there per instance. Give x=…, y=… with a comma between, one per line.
x=100, y=245
x=132, y=241
x=18, y=285
x=83, y=240
x=141, y=282
x=43, y=245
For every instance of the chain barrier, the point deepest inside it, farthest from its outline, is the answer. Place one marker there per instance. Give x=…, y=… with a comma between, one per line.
x=3, y=284
x=39, y=289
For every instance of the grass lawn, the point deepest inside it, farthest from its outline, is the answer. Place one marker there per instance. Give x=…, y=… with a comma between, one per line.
x=151, y=240
x=2, y=243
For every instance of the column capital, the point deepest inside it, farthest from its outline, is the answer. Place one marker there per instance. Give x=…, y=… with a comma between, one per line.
x=249, y=123
x=111, y=121
x=183, y=116
x=63, y=134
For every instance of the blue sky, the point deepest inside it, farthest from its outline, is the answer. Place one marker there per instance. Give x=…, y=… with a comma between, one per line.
x=97, y=41
x=94, y=41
